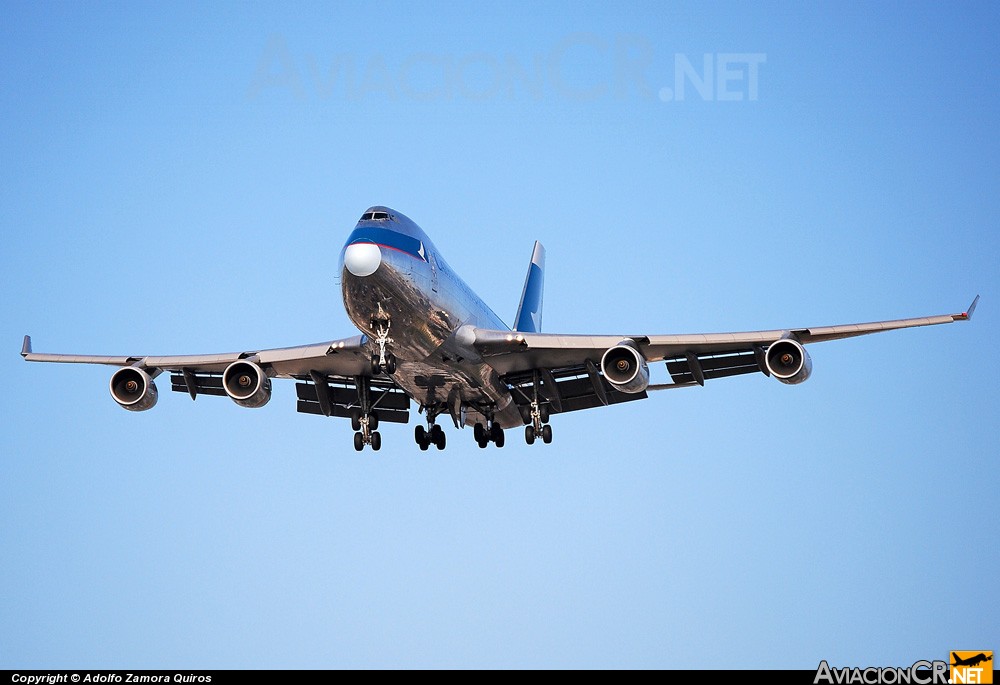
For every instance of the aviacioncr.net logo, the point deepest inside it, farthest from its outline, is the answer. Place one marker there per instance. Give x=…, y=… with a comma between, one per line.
x=920, y=673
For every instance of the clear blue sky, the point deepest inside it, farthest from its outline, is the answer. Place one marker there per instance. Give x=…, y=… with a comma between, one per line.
x=179, y=178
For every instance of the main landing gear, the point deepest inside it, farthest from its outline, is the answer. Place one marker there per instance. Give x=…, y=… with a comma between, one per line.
x=364, y=420
x=538, y=417
x=384, y=361
x=432, y=435
x=366, y=424
x=484, y=435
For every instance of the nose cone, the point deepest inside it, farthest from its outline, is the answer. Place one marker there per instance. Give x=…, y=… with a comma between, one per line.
x=362, y=259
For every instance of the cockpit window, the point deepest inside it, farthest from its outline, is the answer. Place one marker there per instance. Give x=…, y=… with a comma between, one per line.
x=380, y=215
x=369, y=216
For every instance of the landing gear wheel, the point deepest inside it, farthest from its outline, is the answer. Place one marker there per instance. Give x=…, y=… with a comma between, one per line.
x=390, y=364
x=359, y=442
x=479, y=433
x=546, y=434
x=376, y=367
x=419, y=435
x=355, y=419
x=544, y=411
x=372, y=421
x=376, y=441
x=529, y=435
x=440, y=441
x=496, y=435
x=483, y=443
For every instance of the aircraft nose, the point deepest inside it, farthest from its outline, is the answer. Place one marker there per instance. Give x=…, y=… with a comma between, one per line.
x=362, y=259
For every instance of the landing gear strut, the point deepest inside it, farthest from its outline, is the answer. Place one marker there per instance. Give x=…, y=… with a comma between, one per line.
x=539, y=418
x=384, y=361
x=364, y=420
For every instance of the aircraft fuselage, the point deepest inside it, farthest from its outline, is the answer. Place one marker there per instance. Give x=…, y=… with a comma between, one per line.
x=390, y=270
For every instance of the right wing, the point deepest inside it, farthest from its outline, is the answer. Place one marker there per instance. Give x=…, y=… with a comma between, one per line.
x=346, y=357
x=329, y=374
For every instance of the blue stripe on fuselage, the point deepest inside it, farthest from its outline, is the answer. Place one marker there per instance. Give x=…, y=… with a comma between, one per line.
x=393, y=240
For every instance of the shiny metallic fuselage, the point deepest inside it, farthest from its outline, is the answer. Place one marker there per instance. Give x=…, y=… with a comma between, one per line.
x=427, y=303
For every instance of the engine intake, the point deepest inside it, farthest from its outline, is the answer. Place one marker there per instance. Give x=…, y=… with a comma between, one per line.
x=133, y=389
x=625, y=367
x=247, y=384
x=788, y=361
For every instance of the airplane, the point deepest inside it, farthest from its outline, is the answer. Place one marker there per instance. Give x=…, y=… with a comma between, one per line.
x=426, y=337
x=972, y=660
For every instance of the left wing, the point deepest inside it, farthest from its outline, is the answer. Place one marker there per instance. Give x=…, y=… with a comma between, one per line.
x=522, y=358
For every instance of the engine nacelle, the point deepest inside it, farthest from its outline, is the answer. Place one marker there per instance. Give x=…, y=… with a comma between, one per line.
x=625, y=367
x=788, y=361
x=133, y=389
x=247, y=384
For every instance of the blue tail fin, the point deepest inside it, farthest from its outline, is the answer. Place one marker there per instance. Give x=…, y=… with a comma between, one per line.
x=529, y=311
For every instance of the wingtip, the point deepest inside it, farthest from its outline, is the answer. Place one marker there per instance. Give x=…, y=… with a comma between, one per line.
x=26, y=346
x=967, y=314
x=972, y=307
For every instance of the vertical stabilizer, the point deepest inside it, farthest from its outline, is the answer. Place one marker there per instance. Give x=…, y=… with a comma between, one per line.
x=529, y=311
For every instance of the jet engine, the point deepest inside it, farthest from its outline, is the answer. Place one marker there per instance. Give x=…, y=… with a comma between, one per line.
x=133, y=389
x=247, y=384
x=625, y=367
x=788, y=361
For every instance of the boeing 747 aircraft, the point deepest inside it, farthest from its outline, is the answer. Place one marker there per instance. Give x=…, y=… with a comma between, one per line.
x=426, y=337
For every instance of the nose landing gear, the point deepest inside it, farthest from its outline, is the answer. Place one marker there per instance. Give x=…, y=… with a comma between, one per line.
x=384, y=361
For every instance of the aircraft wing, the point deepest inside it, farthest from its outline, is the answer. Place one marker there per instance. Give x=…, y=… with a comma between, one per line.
x=329, y=374
x=346, y=357
x=691, y=358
